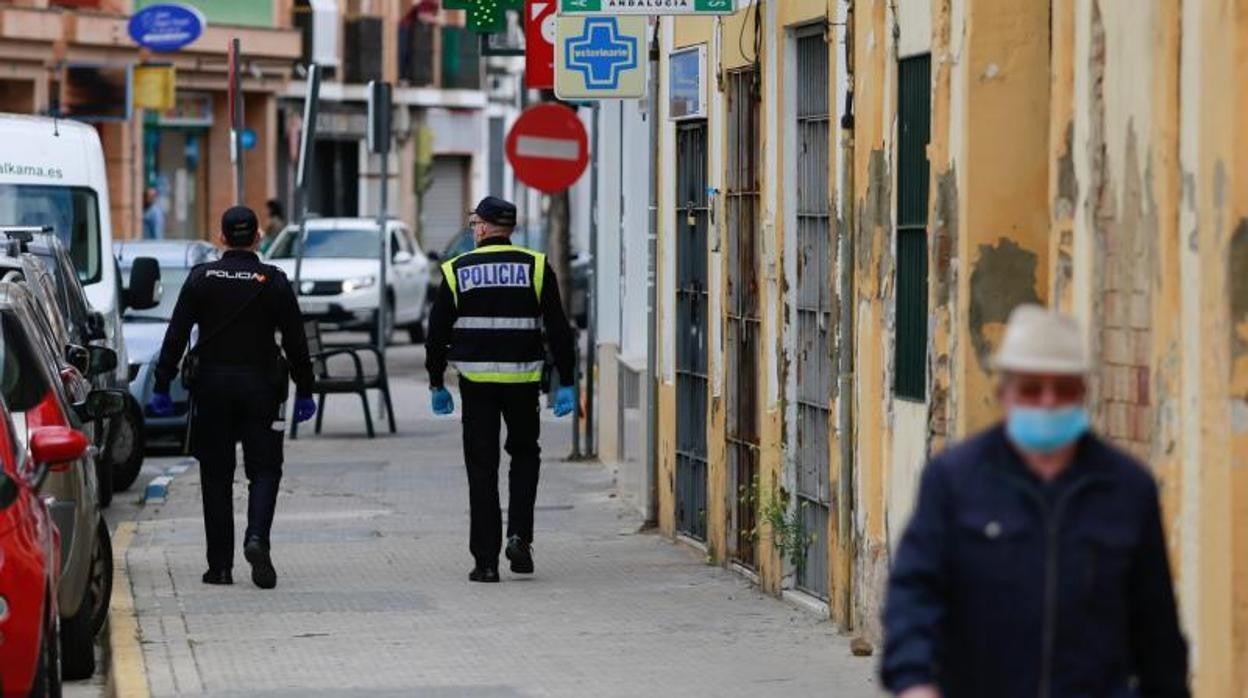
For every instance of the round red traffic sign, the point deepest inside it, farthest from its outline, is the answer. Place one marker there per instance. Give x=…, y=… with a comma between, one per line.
x=548, y=148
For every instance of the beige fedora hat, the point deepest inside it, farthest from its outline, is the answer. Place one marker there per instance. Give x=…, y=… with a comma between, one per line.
x=1039, y=340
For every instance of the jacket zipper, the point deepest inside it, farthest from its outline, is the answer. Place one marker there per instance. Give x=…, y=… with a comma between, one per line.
x=1053, y=528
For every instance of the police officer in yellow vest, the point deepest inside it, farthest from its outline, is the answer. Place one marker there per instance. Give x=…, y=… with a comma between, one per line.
x=487, y=322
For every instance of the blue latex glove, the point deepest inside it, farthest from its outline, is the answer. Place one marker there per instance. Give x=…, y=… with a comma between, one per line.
x=305, y=409
x=565, y=400
x=160, y=405
x=442, y=401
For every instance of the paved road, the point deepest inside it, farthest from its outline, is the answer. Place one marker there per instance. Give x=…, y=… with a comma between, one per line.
x=373, y=599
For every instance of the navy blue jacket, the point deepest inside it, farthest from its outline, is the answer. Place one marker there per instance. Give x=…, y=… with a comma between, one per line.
x=1006, y=586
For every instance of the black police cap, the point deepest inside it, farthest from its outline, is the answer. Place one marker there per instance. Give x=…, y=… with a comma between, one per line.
x=239, y=224
x=497, y=211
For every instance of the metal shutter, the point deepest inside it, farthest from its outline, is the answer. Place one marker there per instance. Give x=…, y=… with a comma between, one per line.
x=446, y=202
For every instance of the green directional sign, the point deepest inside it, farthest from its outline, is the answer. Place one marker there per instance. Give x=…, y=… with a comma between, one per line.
x=647, y=7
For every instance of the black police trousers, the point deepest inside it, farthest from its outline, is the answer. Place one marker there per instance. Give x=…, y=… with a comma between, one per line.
x=231, y=406
x=484, y=405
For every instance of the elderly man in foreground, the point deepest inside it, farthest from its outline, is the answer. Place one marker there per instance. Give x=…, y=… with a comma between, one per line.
x=1035, y=563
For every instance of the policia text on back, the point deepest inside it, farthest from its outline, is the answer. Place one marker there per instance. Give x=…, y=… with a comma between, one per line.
x=487, y=322
x=238, y=380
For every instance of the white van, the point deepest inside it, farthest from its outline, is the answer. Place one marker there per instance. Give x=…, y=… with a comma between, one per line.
x=52, y=173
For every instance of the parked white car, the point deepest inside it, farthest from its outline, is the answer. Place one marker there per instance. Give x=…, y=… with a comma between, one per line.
x=338, y=283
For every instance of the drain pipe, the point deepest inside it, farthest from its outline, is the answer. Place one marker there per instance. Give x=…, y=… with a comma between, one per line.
x=845, y=334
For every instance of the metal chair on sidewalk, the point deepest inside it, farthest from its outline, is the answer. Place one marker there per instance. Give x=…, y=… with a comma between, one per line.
x=358, y=383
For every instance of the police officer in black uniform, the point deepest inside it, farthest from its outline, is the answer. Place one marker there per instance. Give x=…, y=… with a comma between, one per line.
x=487, y=322
x=238, y=380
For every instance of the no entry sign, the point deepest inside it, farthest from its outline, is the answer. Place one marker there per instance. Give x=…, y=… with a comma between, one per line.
x=548, y=148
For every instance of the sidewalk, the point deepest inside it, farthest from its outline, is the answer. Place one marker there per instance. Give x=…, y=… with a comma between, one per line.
x=373, y=598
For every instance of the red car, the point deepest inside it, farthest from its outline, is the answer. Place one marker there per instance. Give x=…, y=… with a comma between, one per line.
x=30, y=560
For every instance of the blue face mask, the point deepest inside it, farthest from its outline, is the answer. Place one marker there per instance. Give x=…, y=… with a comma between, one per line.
x=1045, y=430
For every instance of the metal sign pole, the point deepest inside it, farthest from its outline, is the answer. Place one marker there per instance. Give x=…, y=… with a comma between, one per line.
x=236, y=119
x=591, y=291
x=379, y=132
x=311, y=105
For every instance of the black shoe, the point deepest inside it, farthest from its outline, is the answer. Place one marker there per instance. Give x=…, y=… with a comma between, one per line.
x=262, y=573
x=520, y=554
x=218, y=577
x=488, y=575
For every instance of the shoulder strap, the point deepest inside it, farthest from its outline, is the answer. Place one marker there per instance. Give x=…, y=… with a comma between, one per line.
x=238, y=312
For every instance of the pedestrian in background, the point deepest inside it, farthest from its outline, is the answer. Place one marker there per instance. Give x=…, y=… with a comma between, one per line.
x=153, y=215
x=238, y=381
x=276, y=218
x=487, y=321
x=1035, y=563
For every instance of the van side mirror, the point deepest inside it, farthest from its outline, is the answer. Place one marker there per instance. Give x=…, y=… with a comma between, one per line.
x=101, y=404
x=144, y=291
x=402, y=257
x=102, y=360
x=96, y=328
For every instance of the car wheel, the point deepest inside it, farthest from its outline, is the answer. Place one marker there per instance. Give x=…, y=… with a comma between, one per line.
x=78, y=642
x=100, y=584
x=78, y=632
x=47, y=682
x=372, y=333
x=127, y=445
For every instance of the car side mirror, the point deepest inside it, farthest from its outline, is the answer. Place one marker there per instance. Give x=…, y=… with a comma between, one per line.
x=96, y=327
x=402, y=257
x=102, y=360
x=144, y=291
x=101, y=404
x=50, y=446
x=79, y=358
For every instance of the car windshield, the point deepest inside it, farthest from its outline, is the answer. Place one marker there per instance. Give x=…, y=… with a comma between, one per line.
x=73, y=213
x=329, y=243
x=171, y=281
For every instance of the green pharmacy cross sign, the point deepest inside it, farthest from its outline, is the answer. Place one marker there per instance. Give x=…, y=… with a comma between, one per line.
x=647, y=7
x=485, y=16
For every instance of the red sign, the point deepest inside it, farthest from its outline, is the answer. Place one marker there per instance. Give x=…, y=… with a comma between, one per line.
x=539, y=44
x=548, y=148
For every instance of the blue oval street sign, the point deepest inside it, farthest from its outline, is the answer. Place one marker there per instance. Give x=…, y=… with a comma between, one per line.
x=247, y=138
x=166, y=27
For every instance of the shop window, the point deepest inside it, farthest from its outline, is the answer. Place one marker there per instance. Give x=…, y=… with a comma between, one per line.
x=914, y=133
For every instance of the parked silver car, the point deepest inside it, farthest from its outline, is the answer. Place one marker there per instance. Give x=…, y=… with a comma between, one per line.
x=46, y=388
x=144, y=329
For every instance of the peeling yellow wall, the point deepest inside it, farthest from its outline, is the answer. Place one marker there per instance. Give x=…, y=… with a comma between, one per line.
x=1083, y=152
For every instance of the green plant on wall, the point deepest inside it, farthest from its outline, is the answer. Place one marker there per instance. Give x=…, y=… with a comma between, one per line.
x=788, y=532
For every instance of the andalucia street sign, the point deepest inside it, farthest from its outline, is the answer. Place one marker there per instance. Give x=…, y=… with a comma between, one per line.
x=601, y=57
x=647, y=7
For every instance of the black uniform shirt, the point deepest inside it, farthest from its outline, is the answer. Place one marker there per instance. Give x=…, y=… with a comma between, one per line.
x=444, y=313
x=214, y=294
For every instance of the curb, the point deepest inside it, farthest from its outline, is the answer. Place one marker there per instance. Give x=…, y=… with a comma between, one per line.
x=157, y=490
x=127, y=677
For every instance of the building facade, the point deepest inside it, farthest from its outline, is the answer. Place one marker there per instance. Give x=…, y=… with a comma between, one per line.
x=840, y=238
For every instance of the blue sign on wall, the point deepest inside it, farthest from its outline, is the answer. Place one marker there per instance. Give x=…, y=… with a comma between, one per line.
x=247, y=138
x=166, y=27
x=600, y=57
x=601, y=53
